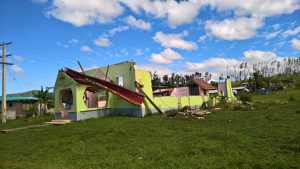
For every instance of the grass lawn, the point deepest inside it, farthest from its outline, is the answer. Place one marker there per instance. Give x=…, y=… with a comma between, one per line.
x=25, y=122
x=268, y=137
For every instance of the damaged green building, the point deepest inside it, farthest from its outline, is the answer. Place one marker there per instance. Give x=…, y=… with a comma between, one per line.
x=119, y=89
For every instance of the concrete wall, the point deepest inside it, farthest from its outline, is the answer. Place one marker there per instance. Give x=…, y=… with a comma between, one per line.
x=166, y=102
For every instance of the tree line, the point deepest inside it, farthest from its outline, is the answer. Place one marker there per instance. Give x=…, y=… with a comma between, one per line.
x=176, y=80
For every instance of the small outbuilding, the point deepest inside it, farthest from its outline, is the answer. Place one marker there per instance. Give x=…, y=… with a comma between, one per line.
x=199, y=87
x=20, y=106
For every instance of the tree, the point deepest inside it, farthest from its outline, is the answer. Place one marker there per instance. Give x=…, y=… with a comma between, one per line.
x=43, y=99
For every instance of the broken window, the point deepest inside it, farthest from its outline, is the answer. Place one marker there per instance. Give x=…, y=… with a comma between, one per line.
x=120, y=80
x=95, y=97
x=66, y=99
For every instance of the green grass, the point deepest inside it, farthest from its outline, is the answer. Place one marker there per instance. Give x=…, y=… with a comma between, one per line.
x=25, y=122
x=268, y=137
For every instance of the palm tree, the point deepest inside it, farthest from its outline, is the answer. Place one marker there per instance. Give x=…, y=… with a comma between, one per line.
x=44, y=97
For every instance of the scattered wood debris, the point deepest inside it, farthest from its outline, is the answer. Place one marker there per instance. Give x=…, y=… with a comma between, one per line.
x=59, y=122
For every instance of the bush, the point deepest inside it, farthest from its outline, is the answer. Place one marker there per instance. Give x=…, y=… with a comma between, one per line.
x=245, y=98
x=298, y=112
x=171, y=113
x=291, y=98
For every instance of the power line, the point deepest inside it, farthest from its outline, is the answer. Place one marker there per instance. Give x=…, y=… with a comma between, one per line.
x=14, y=78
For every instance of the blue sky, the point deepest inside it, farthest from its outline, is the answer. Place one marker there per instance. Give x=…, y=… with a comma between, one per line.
x=162, y=36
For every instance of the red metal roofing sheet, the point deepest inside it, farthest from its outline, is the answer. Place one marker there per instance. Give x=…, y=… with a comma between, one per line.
x=131, y=96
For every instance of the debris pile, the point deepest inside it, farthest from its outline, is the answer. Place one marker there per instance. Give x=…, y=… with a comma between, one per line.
x=187, y=113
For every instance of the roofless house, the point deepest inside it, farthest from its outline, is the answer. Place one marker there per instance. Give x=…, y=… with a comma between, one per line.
x=118, y=89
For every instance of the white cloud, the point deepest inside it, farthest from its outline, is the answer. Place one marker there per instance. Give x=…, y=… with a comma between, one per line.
x=276, y=26
x=39, y=1
x=182, y=12
x=174, y=41
x=273, y=34
x=62, y=45
x=202, y=38
x=166, y=57
x=291, y=31
x=73, y=41
x=176, y=13
x=255, y=56
x=234, y=29
x=17, y=69
x=158, y=58
x=160, y=70
x=296, y=44
x=113, y=31
x=257, y=8
x=80, y=13
x=215, y=65
x=222, y=65
x=17, y=58
x=86, y=48
x=137, y=23
x=101, y=41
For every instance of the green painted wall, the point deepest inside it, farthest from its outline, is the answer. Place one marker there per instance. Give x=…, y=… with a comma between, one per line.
x=230, y=95
x=165, y=102
x=64, y=82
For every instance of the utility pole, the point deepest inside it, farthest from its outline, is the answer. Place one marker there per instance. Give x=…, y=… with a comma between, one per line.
x=4, y=63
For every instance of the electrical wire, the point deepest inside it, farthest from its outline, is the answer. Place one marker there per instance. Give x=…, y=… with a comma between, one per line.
x=14, y=78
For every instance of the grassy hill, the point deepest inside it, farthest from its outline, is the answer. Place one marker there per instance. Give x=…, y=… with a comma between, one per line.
x=267, y=137
x=24, y=94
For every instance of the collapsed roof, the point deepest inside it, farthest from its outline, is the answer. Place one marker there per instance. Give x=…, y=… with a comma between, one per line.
x=131, y=96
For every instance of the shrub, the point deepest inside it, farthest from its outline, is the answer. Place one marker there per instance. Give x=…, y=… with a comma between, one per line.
x=171, y=113
x=29, y=114
x=298, y=112
x=246, y=98
x=291, y=98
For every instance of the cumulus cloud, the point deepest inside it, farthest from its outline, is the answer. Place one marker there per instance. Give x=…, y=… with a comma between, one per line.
x=102, y=41
x=296, y=44
x=259, y=56
x=234, y=29
x=137, y=23
x=80, y=13
x=17, y=58
x=113, y=31
x=17, y=69
x=218, y=65
x=174, y=41
x=166, y=57
x=222, y=65
x=182, y=12
x=176, y=13
x=257, y=8
x=160, y=70
x=86, y=48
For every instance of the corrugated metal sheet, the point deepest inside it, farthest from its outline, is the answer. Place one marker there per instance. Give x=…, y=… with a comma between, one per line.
x=131, y=96
x=20, y=99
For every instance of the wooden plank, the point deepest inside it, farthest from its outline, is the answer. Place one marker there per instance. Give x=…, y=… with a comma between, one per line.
x=139, y=86
x=23, y=128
